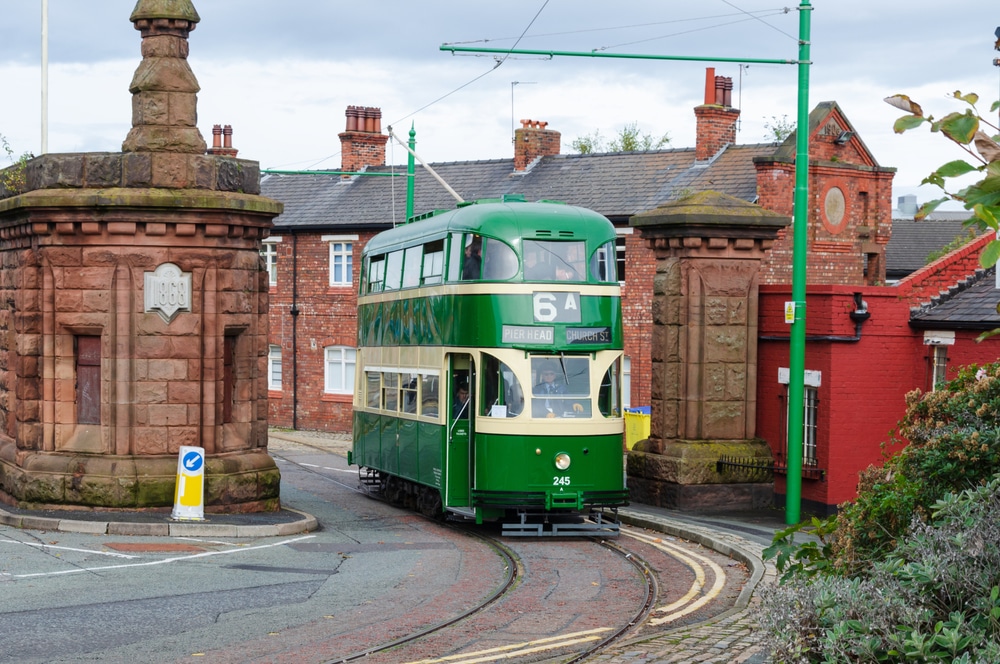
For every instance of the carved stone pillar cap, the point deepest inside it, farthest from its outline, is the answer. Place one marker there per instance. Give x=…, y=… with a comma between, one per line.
x=168, y=9
x=710, y=212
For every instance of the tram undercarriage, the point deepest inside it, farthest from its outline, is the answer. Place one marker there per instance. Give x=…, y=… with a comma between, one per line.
x=518, y=521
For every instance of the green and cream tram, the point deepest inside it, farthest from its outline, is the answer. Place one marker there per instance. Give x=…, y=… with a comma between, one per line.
x=489, y=367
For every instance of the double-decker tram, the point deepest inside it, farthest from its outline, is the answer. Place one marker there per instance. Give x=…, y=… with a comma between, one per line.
x=489, y=367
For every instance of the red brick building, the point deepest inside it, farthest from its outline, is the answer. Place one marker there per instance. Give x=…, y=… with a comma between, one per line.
x=858, y=369
x=316, y=245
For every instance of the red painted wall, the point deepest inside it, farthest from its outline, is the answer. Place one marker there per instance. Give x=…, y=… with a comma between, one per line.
x=861, y=396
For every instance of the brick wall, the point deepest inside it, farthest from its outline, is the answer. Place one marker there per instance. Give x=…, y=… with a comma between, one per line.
x=849, y=221
x=637, y=316
x=327, y=317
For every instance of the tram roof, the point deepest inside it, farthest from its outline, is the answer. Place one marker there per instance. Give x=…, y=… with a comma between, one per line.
x=509, y=217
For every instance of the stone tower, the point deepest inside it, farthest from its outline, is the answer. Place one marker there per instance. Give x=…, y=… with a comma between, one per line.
x=133, y=307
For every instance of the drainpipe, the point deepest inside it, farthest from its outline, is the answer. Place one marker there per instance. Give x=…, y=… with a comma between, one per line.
x=295, y=320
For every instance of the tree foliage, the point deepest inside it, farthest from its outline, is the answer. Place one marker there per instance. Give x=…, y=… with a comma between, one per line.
x=14, y=178
x=967, y=129
x=629, y=139
x=779, y=128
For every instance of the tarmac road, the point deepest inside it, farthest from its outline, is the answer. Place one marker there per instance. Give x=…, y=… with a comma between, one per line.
x=70, y=596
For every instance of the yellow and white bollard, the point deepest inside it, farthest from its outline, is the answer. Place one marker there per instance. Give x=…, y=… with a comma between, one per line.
x=189, y=494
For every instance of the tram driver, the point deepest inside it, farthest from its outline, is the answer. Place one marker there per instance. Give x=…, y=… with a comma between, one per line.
x=550, y=394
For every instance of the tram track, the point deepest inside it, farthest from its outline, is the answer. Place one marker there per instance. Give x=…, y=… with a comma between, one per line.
x=694, y=581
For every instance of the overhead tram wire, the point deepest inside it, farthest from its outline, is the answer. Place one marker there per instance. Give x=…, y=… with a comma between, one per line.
x=499, y=62
x=773, y=27
x=766, y=12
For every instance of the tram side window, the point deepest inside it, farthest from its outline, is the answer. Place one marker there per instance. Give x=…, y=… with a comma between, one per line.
x=429, y=396
x=390, y=391
x=502, y=393
x=604, y=262
x=393, y=270
x=499, y=261
x=376, y=274
x=455, y=257
x=561, y=387
x=408, y=389
x=373, y=391
x=609, y=398
x=433, y=262
x=411, y=266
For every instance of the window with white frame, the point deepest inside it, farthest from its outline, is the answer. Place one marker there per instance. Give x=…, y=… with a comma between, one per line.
x=341, y=259
x=939, y=366
x=339, y=369
x=810, y=409
x=274, y=368
x=623, y=233
x=269, y=252
x=938, y=356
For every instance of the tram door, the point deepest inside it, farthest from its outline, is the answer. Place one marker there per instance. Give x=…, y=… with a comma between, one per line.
x=460, y=450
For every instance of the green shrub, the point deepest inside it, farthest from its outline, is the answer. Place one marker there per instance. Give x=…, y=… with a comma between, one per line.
x=935, y=598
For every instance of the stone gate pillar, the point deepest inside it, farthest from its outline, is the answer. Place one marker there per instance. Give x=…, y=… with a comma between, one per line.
x=708, y=249
x=133, y=307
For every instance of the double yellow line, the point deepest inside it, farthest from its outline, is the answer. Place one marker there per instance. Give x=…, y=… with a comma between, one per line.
x=696, y=597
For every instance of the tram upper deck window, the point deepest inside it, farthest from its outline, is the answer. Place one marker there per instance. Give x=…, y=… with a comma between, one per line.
x=411, y=266
x=561, y=387
x=499, y=261
x=546, y=260
x=376, y=274
x=433, y=262
x=393, y=270
x=604, y=263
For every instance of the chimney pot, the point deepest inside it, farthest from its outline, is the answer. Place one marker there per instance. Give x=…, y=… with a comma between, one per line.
x=217, y=136
x=228, y=140
x=710, y=85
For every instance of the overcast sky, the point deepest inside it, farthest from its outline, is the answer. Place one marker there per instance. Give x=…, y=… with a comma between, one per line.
x=283, y=72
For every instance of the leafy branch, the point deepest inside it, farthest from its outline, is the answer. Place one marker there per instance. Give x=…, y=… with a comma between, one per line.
x=15, y=177
x=965, y=129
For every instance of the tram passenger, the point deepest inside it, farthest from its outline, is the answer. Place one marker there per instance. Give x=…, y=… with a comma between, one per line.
x=472, y=267
x=461, y=408
x=535, y=270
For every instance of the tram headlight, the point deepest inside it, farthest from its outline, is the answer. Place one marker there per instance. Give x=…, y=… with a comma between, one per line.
x=562, y=461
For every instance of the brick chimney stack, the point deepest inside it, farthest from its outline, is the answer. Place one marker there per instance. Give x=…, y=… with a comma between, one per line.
x=716, y=119
x=220, y=146
x=362, y=143
x=533, y=140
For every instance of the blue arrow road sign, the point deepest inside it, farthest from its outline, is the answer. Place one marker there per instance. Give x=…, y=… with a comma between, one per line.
x=192, y=461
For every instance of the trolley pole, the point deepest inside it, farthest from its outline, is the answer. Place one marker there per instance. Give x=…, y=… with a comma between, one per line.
x=411, y=167
x=800, y=220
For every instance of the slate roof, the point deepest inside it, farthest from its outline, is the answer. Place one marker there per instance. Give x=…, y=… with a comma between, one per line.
x=616, y=185
x=969, y=305
x=913, y=241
